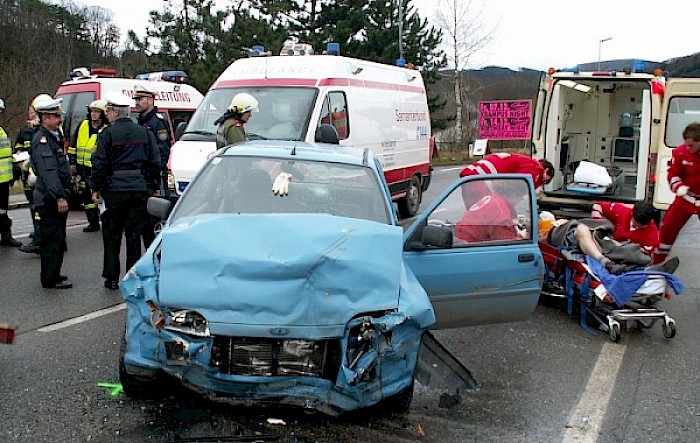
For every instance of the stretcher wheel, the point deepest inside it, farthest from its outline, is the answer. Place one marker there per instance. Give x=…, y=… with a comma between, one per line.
x=614, y=332
x=669, y=329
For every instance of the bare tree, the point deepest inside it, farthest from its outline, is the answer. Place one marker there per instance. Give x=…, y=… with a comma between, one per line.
x=102, y=32
x=465, y=35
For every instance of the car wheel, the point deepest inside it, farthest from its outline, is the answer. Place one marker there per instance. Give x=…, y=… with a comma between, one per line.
x=136, y=387
x=408, y=204
x=399, y=402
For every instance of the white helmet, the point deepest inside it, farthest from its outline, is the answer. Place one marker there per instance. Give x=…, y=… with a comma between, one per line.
x=41, y=98
x=98, y=104
x=2, y=105
x=242, y=103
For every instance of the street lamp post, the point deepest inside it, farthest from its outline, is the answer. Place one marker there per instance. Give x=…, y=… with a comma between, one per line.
x=600, y=43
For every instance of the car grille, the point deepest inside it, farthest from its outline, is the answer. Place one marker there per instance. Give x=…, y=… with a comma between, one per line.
x=273, y=357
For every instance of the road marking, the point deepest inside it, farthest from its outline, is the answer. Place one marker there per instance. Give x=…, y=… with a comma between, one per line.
x=585, y=421
x=82, y=318
x=459, y=168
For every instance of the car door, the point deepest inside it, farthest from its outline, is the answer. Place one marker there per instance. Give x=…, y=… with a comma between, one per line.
x=475, y=251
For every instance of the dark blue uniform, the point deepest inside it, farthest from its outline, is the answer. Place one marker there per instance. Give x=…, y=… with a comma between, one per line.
x=125, y=168
x=51, y=167
x=158, y=125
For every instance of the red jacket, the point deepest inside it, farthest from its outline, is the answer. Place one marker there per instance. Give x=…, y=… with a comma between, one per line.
x=684, y=170
x=621, y=216
x=490, y=218
x=505, y=163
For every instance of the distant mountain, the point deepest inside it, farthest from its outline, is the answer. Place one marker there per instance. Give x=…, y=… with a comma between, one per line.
x=688, y=66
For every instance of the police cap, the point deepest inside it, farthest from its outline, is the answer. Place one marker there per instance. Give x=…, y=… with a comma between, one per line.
x=117, y=100
x=52, y=106
x=143, y=91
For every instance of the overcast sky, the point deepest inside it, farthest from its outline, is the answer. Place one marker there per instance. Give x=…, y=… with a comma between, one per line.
x=538, y=34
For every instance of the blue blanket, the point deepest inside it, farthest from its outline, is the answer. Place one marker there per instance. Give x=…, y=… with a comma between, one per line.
x=623, y=287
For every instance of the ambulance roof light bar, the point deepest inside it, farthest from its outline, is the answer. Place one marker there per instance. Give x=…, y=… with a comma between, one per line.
x=293, y=48
x=168, y=76
x=83, y=72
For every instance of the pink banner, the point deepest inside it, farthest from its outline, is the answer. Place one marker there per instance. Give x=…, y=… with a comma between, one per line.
x=505, y=119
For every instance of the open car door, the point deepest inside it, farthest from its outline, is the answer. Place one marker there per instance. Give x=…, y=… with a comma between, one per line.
x=475, y=251
x=681, y=106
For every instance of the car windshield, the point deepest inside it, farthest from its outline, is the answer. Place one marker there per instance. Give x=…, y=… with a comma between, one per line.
x=243, y=185
x=283, y=112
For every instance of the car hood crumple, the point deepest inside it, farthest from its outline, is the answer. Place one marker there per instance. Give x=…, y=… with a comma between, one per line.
x=280, y=269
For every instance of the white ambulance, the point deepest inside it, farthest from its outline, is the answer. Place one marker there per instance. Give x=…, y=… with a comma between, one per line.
x=175, y=100
x=380, y=107
x=627, y=122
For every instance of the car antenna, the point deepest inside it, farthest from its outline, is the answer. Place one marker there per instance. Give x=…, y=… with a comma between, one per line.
x=365, y=154
x=294, y=149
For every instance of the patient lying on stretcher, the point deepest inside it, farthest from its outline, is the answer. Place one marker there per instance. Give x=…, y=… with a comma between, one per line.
x=595, y=239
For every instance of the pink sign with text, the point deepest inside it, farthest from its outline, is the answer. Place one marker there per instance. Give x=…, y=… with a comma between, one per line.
x=505, y=119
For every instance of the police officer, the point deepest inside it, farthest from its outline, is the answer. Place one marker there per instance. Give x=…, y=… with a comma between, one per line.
x=23, y=143
x=125, y=170
x=231, y=127
x=85, y=142
x=6, y=179
x=156, y=122
x=50, y=164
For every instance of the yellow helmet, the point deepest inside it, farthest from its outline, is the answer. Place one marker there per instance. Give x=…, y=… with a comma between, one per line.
x=39, y=99
x=98, y=104
x=242, y=103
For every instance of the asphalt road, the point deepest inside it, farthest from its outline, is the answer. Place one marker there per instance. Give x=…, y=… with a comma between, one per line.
x=544, y=379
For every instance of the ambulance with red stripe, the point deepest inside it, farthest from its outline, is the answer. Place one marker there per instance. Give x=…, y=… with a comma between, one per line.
x=628, y=121
x=371, y=105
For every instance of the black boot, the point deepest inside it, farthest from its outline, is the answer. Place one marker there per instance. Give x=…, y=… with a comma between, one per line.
x=6, y=232
x=93, y=217
x=31, y=248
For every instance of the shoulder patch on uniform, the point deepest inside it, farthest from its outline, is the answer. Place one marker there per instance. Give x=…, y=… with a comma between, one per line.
x=43, y=139
x=162, y=134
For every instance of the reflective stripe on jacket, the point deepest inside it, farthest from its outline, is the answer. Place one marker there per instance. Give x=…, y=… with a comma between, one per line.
x=5, y=157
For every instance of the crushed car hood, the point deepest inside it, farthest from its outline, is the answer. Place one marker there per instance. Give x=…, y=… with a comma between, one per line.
x=280, y=269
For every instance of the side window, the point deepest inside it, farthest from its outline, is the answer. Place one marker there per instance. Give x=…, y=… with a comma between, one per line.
x=335, y=112
x=178, y=117
x=484, y=212
x=77, y=113
x=681, y=112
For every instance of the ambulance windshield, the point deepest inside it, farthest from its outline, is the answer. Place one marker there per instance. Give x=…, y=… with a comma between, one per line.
x=283, y=113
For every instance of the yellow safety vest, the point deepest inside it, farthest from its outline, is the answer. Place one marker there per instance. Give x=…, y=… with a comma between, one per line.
x=86, y=144
x=5, y=157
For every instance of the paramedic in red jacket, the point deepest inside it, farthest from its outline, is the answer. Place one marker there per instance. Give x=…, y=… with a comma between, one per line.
x=632, y=223
x=684, y=179
x=542, y=171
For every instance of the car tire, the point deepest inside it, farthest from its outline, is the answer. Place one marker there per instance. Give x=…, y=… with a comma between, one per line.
x=400, y=402
x=136, y=387
x=409, y=204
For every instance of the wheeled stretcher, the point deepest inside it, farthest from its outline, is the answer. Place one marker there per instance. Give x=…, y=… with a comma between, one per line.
x=576, y=282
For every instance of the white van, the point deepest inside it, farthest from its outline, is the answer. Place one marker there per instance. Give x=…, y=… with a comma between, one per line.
x=175, y=100
x=380, y=107
x=628, y=122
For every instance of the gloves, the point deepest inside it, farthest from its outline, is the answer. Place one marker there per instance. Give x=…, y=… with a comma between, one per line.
x=682, y=190
x=281, y=185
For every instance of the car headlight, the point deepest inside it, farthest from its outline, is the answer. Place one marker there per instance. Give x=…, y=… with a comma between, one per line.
x=183, y=321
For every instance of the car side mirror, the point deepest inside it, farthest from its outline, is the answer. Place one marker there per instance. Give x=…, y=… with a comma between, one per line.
x=432, y=236
x=179, y=130
x=159, y=207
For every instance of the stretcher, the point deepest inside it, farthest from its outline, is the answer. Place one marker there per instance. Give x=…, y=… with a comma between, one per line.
x=576, y=282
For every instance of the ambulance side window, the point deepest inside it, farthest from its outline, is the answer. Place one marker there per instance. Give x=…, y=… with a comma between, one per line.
x=335, y=112
x=178, y=117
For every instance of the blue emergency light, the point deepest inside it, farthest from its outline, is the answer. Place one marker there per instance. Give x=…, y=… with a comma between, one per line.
x=333, y=48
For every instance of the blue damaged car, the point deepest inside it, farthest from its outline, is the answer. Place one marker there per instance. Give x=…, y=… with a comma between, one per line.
x=283, y=276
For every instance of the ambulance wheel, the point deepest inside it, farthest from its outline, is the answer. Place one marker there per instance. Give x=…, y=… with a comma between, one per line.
x=614, y=332
x=669, y=329
x=408, y=205
x=134, y=386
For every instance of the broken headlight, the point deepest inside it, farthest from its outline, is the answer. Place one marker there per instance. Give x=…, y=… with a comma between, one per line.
x=185, y=321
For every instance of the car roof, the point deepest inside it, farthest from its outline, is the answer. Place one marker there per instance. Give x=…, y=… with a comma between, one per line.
x=297, y=150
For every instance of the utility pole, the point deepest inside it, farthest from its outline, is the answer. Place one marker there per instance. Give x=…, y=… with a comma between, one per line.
x=401, y=54
x=600, y=44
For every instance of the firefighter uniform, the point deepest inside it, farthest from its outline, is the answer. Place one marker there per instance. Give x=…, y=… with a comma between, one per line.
x=50, y=164
x=85, y=142
x=158, y=125
x=6, y=179
x=125, y=168
x=684, y=179
x=23, y=142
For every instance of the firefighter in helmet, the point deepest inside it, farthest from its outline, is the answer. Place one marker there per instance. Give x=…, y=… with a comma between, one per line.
x=85, y=142
x=231, y=127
